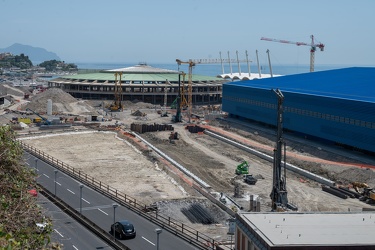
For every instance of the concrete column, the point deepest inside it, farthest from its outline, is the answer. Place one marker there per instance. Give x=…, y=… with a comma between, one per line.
x=251, y=202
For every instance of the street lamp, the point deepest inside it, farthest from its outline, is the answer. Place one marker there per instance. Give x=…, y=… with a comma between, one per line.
x=80, y=198
x=55, y=180
x=158, y=232
x=114, y=219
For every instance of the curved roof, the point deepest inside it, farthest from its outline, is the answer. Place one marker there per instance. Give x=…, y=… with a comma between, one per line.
x=142, y=69
x=139, y=73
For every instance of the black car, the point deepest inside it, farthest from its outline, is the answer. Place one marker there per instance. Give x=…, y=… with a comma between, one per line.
x=123, y=229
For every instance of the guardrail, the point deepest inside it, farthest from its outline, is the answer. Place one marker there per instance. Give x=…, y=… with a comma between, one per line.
x=104, y=235
x=194, y=237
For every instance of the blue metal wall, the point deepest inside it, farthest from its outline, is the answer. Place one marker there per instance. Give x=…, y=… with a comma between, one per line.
x=350, y=122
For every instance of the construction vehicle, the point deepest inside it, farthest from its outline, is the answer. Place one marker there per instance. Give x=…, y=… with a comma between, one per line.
x=279, y=193
x=45, y=120
x=367, y=193
x=250, y=179
x=117, y=104
x=368, y=196
x=312, y=45
x=242, y=168
x=173, y=136
x=359, y=186
x=24, y=120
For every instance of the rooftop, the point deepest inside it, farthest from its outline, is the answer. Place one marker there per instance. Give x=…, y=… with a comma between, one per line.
x=139, y=73
x=143, y=68
x=313, y=228
x=356, y=83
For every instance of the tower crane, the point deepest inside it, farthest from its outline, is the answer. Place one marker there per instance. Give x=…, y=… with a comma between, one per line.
x=312, y=45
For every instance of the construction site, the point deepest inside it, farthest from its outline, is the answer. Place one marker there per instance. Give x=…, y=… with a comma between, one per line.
x=173, y=159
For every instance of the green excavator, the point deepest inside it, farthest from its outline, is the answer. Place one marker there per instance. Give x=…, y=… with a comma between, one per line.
x=242, y=168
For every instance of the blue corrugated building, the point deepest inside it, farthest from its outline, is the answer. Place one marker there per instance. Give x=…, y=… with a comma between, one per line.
x=335, y=105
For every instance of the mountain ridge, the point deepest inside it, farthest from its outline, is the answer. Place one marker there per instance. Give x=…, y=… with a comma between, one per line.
x=35, y=54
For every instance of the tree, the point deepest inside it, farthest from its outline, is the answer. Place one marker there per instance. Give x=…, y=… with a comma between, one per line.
x=19, y=61
x=54, y=65
x=19, y=211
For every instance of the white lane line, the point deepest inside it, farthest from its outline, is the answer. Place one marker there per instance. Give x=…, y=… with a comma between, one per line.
x=85, y=201
x=27, y=164
x=46, y=175
x=59, y=233
x=102, y=211
x=58, y=183
x=148, y=241
x=70, y=191
x=75, y=247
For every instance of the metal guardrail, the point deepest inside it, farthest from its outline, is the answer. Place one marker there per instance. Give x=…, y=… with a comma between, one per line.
x=104, y=235
x=194, y=237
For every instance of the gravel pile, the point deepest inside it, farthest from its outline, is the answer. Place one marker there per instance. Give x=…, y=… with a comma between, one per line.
x=38, y=103
x=7, y=90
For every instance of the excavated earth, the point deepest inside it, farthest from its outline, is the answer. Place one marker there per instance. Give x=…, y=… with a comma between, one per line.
x=133, y=168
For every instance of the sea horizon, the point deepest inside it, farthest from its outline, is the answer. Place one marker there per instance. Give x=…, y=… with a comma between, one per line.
x=218, y=69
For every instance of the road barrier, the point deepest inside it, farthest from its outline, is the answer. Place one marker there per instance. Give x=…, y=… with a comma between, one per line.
x=104, y=235
x=181, y=230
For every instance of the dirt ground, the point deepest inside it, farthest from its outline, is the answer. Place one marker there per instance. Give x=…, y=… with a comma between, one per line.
x=134, y=169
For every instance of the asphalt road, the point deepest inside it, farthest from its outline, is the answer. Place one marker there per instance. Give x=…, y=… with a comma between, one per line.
x=68, y=232
x=99, y=209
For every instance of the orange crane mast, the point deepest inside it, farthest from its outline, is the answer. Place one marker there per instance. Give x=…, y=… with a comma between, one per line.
x=312, y=45
x=190, y=83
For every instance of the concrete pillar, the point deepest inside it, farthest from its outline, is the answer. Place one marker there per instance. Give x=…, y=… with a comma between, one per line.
x=251, y=202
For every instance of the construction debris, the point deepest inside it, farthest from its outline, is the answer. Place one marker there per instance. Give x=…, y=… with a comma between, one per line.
x=198, y=214
x=143, y=128
x=138, y=113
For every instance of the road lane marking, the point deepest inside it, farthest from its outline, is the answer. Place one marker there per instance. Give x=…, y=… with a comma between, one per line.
x=70, y=191
x=148, y=241
x=58, y=183
x=75, y=247
x=46, y=175
x=102, y=211
x=59, y=233
x=85, y=201
x=27, y=164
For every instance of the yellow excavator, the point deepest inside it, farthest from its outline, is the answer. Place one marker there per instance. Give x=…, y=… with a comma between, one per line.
x=367, y=193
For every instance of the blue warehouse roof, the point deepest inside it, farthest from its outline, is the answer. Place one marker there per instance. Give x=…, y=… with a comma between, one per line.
x=357, y=83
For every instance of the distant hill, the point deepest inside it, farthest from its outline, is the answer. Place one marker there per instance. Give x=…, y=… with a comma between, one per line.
x=35, y=54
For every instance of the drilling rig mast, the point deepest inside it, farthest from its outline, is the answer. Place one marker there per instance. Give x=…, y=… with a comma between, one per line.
x=190, y=84
x=117, y=104
x=279, y=193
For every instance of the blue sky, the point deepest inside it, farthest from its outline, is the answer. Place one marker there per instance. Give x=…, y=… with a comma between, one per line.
x=122, y=31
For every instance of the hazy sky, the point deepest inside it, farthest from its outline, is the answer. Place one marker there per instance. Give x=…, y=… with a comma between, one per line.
x=160, y=31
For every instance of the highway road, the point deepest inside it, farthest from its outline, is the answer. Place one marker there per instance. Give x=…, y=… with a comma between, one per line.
x=99, y=209
x=68, y=232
